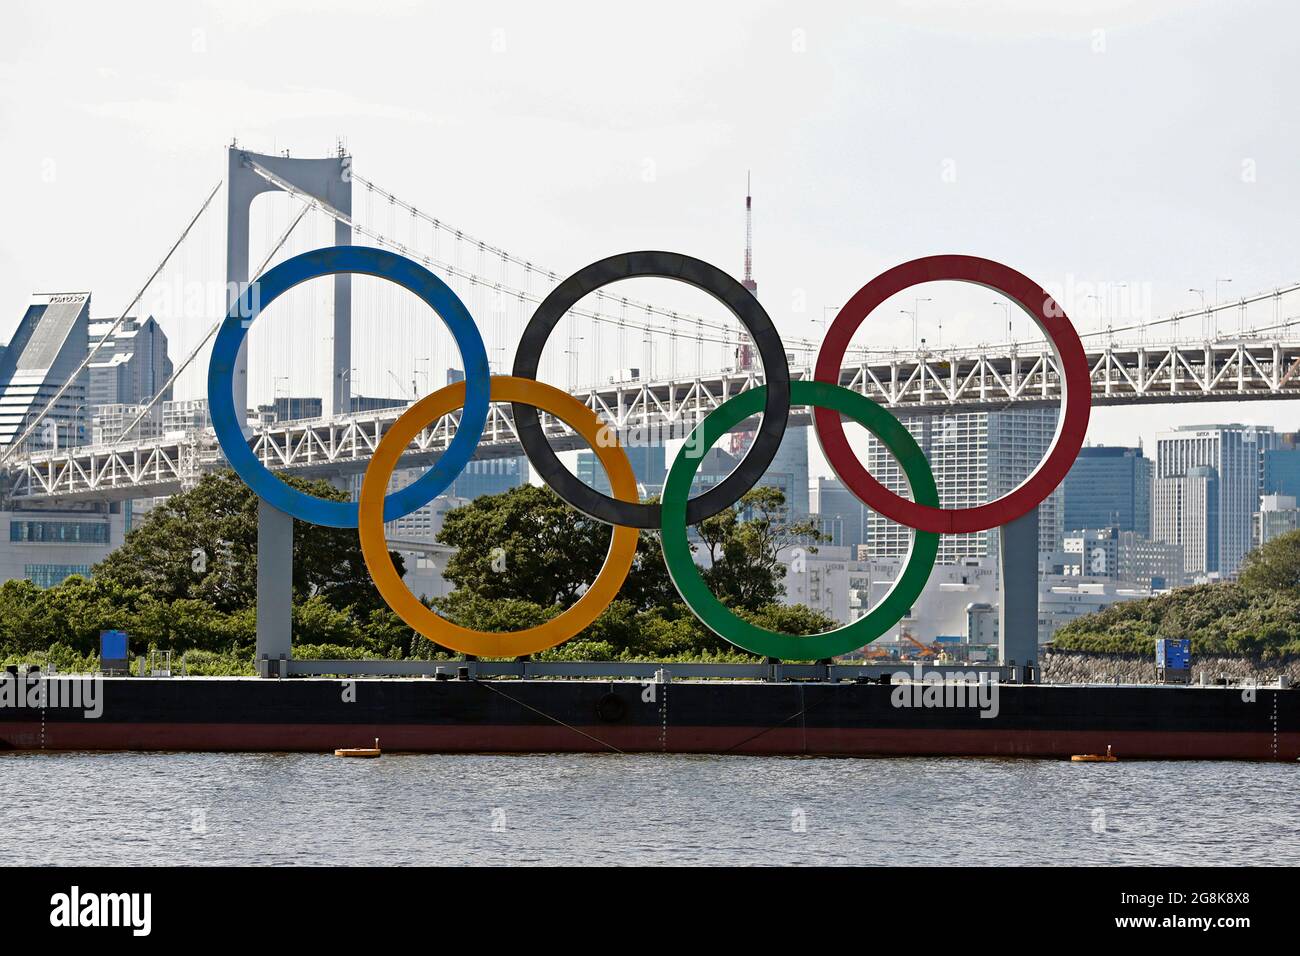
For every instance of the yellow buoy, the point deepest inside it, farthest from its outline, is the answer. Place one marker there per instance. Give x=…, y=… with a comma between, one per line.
x=1107, y=757
x=359, y=751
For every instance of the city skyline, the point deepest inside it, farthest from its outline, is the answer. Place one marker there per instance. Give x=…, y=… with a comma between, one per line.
x=1217, y=213
x=977, y=455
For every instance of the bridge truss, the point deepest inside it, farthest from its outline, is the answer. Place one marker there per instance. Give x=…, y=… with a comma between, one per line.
x=924, y=383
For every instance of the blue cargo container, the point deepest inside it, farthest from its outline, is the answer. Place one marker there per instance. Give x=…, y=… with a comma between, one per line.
x=112, y=651
x=1174, y=654
x=112, y=645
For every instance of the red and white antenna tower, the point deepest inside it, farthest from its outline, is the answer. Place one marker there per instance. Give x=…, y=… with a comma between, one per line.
x=740, y=441
x=749, y=282
x=745, y=351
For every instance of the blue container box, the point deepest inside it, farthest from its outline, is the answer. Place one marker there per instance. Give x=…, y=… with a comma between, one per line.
x=112, y=645
x=1174, y=654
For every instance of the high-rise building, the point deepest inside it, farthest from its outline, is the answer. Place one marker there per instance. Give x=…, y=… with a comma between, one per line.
x=110, y=423
x=1122, y=556
x=648, y=465
x=480, y=477
x=1187, y=513
x=487, y=476
x=369, y=403
x=186, y=415
x=975, y=457
x=51, y=341
x=1152, y=564
x=1228, y=457
x=1278, y=515
x=424, y=523
x=47, y=546
x=1109, y=487
x=1093, y=552
x=717, y=463
x=840, y=514
x=492, y=476
x=131, y=366
x=1281, y=471
x=714, y=467
x=789, y=471
x=288, y=408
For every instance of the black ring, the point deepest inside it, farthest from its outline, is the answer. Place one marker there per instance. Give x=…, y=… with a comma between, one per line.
x=724, y=288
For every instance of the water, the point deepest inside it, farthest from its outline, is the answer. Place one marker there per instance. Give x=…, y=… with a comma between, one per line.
x=143, y=809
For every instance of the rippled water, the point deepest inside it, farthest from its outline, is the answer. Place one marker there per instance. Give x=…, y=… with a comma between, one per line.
x=139, y=809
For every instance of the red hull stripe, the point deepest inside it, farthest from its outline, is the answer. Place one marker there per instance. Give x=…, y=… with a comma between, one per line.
x=426, y=738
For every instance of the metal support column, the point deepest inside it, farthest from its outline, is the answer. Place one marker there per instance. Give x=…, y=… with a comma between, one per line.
x=1018, y=600
x=274, y=590
x=339, y=401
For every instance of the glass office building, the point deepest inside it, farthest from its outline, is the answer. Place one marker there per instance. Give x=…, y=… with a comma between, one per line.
x=1109, y=487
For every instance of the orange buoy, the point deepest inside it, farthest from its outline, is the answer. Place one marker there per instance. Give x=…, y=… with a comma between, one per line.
x=359, y=751
x=1107, y=757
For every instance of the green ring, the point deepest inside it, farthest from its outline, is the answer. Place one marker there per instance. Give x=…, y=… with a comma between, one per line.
x=717, y=616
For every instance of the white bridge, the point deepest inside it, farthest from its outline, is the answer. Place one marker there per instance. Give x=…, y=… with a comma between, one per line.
x=663, y=400
x=924, y=383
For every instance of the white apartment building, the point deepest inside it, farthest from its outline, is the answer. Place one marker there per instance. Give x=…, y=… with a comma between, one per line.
x=1217, y=532
x=1278, y=515
x=976, y=457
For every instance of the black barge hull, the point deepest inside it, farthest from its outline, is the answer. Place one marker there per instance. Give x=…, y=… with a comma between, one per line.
x=712, y=717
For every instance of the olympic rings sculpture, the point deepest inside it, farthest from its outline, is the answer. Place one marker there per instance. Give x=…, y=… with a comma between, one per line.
x=529, y=397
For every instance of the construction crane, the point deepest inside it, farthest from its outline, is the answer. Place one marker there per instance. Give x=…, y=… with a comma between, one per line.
x=925, y=649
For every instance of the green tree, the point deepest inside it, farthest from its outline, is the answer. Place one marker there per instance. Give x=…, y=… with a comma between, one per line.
x=524, y=556
x=202, y=545
x=1274, y=566
x=748, y=544
x=1225, y=618
x=526, y=544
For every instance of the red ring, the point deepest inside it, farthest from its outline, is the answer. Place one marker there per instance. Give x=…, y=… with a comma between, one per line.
x=1069, y=434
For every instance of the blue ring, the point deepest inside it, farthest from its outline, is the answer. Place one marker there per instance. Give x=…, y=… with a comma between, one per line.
x=331, y=261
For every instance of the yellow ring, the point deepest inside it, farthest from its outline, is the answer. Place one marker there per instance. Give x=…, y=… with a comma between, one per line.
x=374, y=545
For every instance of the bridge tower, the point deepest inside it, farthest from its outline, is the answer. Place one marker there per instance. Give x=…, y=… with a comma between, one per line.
x=330, y=181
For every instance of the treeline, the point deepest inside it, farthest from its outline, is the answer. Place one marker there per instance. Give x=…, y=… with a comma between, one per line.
x=1257, y=615
x=185, y=581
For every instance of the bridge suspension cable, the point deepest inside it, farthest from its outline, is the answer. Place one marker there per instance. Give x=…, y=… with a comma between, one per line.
x=171, y=380
x=725, y=335
x=726, y=331
x=21, y=439
x=1177, y=317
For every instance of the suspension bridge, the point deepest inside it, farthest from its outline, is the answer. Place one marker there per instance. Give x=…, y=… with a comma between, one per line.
x=673, y=365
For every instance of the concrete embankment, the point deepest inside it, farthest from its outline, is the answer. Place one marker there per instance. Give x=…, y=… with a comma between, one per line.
x=1063, y=667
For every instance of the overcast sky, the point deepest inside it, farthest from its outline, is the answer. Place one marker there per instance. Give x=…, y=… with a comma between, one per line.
x=1152, y=144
